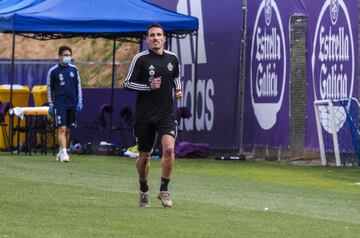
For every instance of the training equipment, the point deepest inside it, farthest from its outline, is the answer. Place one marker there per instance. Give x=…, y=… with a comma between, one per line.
x=231, y=157
x=338, y=129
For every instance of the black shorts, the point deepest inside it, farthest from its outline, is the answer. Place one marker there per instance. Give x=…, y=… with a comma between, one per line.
x=65, y=117
x=145, y=132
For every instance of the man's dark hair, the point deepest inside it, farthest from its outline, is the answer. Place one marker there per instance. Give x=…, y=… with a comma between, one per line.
x=157, y=25
x=63, y=48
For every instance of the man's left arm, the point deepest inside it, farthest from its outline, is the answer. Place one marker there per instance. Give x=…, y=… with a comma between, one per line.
x=177, y=82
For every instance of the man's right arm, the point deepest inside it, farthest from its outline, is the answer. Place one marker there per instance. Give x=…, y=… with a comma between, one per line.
x=49, y=88
x=49, y=93
x=131, y=79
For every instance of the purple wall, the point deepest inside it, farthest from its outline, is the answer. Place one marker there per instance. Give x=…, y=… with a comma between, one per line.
x=27, y=72
x=220, y=29
x=332, y=59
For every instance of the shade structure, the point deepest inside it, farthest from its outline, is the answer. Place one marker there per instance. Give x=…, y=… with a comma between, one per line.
x=9, y=6
x=107, y=18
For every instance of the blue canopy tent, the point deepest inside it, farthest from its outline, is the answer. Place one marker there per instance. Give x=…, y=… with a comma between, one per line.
x=112, y=19
x=9, y=6
x=8, y=3
x=109, y=18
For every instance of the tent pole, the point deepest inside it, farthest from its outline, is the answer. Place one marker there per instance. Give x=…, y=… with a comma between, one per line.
x=195, y=83
x=112, y=87
x=170, y=43
x=12, y=76
x=141, y=45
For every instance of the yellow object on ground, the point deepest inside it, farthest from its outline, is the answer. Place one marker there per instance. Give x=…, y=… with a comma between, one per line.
x=20, y=98
x=39, y=93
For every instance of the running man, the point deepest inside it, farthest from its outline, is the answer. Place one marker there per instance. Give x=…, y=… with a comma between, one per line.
x=154, y=74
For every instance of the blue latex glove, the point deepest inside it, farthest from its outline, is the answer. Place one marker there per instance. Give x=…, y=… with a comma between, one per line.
x=79, y=107
x=51, y=111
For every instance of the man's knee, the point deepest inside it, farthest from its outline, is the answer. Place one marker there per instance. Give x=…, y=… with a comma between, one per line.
x=62, y=130
x=144, y=156
x=168, y=145
x=168, y=150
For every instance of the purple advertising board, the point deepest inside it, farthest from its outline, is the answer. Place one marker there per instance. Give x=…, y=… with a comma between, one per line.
x=216, y=119
x=266, y=92
x=332, y=59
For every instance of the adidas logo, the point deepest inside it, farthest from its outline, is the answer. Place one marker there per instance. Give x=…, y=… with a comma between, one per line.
x=172, y=132
x=151, y=67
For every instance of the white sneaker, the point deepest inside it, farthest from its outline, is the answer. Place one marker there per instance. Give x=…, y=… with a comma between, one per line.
x=164, y=197
x=57, y=158
x=64, y=157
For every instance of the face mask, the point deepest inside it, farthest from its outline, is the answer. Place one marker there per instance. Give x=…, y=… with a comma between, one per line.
x=66, y=59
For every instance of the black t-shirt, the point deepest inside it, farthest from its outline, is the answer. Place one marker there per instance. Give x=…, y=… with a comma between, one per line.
x=153, y=105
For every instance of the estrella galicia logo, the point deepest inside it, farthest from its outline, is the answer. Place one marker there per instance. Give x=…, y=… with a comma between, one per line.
x=268, y=12
x=333, y=56
x=268, y=64
x=334, y=11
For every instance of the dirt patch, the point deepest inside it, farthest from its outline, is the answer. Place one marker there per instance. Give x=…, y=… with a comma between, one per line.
x=305, y=162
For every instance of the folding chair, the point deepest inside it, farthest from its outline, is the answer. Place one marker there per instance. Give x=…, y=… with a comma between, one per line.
x=97, y=131
x=125, y=125
x=180, y=114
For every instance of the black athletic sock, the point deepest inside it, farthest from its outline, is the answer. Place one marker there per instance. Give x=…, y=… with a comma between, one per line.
x=144, y=186
x=164, y=184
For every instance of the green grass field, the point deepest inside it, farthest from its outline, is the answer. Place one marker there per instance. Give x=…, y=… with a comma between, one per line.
x=95, y=196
